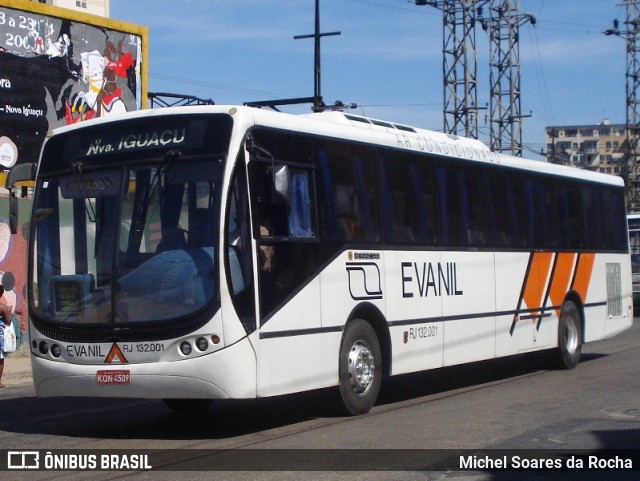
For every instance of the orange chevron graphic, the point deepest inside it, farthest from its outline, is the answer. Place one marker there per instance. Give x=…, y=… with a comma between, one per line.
x=582, y=276
x=536, y=279
x=562, y=273
x=549, y=277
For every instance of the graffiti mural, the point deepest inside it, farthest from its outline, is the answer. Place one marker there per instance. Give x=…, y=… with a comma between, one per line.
x=56, y=71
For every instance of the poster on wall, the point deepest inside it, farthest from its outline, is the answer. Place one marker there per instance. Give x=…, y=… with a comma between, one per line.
x=57, y=71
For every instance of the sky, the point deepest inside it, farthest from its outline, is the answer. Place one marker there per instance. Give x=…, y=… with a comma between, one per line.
x=387, y=58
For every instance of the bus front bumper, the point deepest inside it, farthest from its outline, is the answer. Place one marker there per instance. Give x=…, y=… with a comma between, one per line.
x=226, y=374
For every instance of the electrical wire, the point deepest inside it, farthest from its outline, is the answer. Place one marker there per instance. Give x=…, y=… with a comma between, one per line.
x=203, y=83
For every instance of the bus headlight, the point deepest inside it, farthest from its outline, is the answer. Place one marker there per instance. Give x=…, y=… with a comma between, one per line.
x=43, y=347
x=202, y=344
x=185, y=348
x=56, y=350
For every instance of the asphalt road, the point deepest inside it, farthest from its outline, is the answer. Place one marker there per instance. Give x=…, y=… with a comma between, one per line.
x=510, y=404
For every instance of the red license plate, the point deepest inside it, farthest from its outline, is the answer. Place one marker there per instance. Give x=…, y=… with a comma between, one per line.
x=113, y=377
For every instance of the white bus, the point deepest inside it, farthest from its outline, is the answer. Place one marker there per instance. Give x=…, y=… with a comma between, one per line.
x=221, y=252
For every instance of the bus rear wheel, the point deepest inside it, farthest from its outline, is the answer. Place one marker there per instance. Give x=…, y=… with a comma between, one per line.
x=360, y=368
x=567, y=355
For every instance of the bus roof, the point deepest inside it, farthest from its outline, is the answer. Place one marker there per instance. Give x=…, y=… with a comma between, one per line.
x=363, y=129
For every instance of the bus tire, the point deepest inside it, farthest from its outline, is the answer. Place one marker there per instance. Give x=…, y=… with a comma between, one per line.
x=360, y=368
x=569, y=337
x=187, y=405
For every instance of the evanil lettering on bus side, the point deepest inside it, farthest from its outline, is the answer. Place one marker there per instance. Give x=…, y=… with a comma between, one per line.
x=430, y=279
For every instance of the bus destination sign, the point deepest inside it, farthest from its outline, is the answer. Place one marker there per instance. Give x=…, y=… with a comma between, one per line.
x=147, y=139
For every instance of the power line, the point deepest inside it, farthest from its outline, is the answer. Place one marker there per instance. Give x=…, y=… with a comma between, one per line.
x=540, y=74
x=402, y=105
x=203, y=83
x=383, y=5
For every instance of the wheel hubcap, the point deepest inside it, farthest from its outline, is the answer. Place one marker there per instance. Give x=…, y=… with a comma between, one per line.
x=571, y=334
x=361, y=367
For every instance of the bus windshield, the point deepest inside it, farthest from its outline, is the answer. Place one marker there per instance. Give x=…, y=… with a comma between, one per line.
x=130, y=237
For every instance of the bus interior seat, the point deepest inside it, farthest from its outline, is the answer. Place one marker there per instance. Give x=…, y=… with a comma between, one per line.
x=172, y=239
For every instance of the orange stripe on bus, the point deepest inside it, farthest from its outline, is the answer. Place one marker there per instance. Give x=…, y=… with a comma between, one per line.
x=583, y=274
x=537, y=279
x=561, y=278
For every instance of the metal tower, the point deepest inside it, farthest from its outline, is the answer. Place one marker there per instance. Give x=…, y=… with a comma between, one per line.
x=459, y=67
x=505, y=110
x=633, y=116
x=631, y=34
x=460, y=100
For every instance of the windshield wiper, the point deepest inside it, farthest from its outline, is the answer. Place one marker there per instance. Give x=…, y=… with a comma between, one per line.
x=158, y=178
x=169, y=158
x=79, y=177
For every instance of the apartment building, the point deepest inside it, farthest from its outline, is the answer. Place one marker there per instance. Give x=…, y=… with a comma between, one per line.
x=599, y=147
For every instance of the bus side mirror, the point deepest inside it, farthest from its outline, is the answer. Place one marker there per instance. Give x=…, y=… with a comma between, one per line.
x=19, y=173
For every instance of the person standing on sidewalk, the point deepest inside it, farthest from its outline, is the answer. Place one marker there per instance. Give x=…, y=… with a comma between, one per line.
x=5, y=313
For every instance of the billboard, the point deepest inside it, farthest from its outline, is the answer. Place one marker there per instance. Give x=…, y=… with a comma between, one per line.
x=59, y=67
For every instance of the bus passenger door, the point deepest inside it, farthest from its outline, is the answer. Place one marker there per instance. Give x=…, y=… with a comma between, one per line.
x=286, y=253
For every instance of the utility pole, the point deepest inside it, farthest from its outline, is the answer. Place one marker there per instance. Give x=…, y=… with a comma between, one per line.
x=316, y=100
x=318, y=104
x=631, y=34
x=505, y=109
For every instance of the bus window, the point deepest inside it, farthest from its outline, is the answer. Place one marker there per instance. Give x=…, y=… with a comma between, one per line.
x=559, y=215
x=348, y=192
x=283, y=201
x=300, y=214
x=491, y=231
x=477, y=219
x=615, y=220
x=515, y=203
x=576, y=226
x=408, y=205
x=329, y=231
x=593, y=216
x=453, y=206
x=535, y=207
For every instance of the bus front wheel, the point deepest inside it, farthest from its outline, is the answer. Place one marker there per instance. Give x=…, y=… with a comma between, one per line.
x=360, y=369
x=569, y=349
